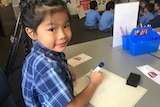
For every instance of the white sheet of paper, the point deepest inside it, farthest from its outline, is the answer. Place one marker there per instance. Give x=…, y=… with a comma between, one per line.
x=72, y=8
x=125, y=17
x=81, y=12
x=74, y=1
x=112, y=92
x=81, y=58
x=151, y=73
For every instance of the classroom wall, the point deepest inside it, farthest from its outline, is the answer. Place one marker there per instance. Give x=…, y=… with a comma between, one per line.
x=15, y=2
x=74, y=3
x=84, y=3
x=101, y=4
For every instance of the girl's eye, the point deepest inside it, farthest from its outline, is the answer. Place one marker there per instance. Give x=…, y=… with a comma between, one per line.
x=66, y=26
x=52, y=29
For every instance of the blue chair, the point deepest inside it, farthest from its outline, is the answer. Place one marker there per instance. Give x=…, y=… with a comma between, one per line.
x=5, y=92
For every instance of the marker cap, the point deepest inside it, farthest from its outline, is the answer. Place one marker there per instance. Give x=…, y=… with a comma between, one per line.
x=101, y=64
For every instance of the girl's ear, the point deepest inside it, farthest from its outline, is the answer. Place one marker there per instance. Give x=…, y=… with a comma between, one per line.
x=30, y=33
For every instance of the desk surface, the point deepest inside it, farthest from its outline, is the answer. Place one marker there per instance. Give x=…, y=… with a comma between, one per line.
x=119, y=62
x=156, y=54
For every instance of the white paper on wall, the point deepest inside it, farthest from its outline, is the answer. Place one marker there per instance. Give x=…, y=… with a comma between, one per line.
x=125, y=17
x=81, y=12
x=72, y=8
x=74, y=1
x=133, y=0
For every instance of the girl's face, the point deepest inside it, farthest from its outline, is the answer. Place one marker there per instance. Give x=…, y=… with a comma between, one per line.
x=142, y=4
x=54, y=32
x=156, y=7
x=145, y=10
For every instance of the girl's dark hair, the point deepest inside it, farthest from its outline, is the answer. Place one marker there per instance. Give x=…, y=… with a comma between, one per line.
x=110, y=5
x=93, y=4
x=33, y=12
x=145, y=1
x=150, y=7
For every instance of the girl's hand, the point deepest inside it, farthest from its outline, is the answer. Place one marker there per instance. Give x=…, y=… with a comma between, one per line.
x=96, y=77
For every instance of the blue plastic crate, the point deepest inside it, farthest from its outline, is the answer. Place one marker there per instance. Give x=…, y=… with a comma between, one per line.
x=141, y=41
x=143, y=47
x=125, y=42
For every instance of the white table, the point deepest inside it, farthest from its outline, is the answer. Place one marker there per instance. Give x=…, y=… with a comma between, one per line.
x=119, y=62
x=156, y=54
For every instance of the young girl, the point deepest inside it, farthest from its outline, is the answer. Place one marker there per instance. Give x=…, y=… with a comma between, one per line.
x=142, y=5
x=148, y=9
x=46, y=79
x=156, y=8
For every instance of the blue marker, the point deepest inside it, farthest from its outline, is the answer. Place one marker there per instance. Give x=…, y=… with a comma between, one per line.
x=101, y=64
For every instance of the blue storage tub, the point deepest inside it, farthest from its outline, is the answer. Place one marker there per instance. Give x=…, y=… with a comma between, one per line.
x=141, y=41
x=125, y=42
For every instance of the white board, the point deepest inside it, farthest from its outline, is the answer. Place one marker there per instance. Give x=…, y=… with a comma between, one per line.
x=125, y=17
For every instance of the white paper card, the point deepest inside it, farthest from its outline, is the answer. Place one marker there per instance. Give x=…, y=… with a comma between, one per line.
x=78, y=59
x=151, y=73
x=81, y=12
x=112, y=92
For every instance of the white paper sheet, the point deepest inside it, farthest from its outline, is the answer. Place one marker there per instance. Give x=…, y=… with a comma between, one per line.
x=81, y=12
x=79, y=59
x=112, y=92
x=151, y=73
